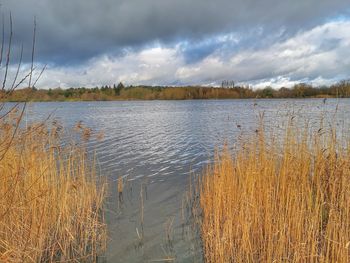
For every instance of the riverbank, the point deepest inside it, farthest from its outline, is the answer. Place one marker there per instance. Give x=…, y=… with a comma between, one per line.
x=111, y=93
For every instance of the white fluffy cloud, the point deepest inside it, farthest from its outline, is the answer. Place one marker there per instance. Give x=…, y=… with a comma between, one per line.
x=149, y=66
x=320, y=55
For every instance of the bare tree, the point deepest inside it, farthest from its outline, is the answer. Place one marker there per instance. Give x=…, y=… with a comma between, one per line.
x=19, y=77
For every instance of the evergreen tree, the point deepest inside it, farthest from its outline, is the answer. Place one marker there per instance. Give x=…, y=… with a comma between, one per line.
x=118, y=89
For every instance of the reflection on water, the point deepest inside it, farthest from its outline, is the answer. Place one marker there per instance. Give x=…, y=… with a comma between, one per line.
x=153, y=146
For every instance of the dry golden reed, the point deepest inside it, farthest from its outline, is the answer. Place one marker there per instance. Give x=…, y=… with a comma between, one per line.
x=50, y=202
x=276, y=200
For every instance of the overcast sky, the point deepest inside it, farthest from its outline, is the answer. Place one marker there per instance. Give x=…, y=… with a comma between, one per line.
x=180, y=42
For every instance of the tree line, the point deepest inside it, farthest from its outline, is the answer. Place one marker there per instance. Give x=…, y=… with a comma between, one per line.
x=227, y=91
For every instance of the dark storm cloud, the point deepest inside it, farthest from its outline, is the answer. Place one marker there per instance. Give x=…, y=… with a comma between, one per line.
x=71, y=31
x=196, y=52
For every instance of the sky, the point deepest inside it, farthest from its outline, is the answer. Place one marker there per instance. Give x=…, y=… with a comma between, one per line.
x=182, y=42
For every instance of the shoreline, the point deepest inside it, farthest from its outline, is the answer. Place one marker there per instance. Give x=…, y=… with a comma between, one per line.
x=209, y=99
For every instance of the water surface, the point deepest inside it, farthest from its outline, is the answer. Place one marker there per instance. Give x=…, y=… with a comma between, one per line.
x=154, y=146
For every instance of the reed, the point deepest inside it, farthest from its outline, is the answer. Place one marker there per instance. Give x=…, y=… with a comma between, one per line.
x=278, y=200
x=50, y=201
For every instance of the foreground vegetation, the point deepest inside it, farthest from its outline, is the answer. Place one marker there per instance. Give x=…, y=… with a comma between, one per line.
x=119, y=92
x=50, y=200
x=50, y=203
x=279, y=200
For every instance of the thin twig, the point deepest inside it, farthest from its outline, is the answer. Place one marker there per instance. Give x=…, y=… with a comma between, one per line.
x=3, y=40
x=8, y=54
x=15, y=131
x=41, y=73
x=18, y=69
x=33, y=52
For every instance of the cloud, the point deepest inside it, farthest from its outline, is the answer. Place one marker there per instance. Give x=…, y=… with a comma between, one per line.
x=320, y=55
x=73, y=32
x=322, y=52
x=149, y=66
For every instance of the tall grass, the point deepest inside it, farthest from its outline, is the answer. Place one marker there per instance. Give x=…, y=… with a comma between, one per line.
x=276, y=200
x=50, y=203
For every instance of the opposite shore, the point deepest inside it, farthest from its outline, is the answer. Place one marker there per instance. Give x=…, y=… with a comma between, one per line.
x=121, y=92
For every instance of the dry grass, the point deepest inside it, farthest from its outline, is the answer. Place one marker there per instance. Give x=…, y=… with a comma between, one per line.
x=50, y=202
x=279, y=201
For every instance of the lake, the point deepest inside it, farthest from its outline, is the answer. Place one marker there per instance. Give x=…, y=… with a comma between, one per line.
x=155, y=146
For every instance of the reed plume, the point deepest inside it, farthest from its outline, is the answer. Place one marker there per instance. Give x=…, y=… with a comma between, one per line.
x=278, y=200
x=50, y=199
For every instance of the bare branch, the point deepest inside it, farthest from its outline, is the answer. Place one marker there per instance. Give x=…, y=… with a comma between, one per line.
x=23, y=79
x=9, y=111
x=18, y=69
x=8, y=54
x=33, y=52
x=41, y=73
x=3, y=40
